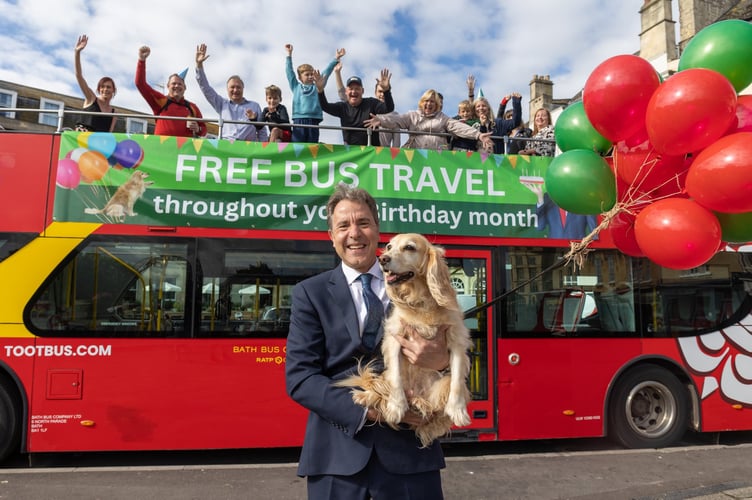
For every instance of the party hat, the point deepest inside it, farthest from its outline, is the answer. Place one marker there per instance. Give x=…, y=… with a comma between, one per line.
x=183, y=73
x=480, y=92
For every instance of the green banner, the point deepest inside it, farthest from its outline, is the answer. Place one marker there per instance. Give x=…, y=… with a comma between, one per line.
x=178, y=181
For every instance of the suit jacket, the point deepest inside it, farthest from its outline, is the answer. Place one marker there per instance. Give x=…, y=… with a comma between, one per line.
x=575, y=227
x=324, y=346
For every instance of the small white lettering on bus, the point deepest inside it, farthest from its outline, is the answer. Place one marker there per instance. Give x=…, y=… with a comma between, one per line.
x=51, y=351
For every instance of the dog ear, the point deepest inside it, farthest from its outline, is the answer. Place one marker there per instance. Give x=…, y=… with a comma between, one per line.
x=437, y=277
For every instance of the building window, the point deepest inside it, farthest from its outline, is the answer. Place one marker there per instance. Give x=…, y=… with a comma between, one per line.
x=49, y=118
x=8, y=100
x=135, y=126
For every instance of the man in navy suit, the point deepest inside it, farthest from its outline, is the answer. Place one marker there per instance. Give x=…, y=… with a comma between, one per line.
x=347, y=454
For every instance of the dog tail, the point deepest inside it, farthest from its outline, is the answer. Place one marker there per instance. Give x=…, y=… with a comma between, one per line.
x=92, y=211
x=365, y=376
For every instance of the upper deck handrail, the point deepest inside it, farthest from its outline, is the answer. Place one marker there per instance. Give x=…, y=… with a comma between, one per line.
x=220, y=122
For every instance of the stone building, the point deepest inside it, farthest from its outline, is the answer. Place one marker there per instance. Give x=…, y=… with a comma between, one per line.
x=34, y=101
x=658, y=41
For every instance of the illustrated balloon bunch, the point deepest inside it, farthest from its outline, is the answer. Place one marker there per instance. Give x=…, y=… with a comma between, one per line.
x=98, y=152
x=679, y=181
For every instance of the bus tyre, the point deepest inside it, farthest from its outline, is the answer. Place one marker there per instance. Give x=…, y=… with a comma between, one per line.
x=10, y=431
x=649, y=408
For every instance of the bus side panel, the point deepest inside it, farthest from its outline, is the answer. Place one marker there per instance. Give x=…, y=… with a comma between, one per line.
x=556, y=388
x=177, y=394
x=26, y=174
x=717, y=366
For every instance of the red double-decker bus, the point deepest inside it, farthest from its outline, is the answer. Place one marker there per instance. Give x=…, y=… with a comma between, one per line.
x=145, y=289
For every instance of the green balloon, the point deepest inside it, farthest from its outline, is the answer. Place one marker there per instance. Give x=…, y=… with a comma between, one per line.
x=725, y=47
x=574, y=131
x=580, y=181
x=735, y=228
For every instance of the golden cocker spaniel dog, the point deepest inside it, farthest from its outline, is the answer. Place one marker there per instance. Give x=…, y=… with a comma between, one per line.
x=423, y=300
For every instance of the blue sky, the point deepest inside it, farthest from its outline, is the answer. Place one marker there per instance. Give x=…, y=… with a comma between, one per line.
x=426, y=44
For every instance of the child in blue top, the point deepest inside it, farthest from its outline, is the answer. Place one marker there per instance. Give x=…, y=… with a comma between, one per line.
x=306, y=109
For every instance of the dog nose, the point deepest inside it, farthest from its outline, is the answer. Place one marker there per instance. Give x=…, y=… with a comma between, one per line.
x=384, y=259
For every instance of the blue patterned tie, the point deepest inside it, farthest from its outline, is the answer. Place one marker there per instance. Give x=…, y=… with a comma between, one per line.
x=374, y=314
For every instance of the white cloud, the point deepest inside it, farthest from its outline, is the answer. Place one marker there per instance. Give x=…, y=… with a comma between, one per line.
x=503, y=43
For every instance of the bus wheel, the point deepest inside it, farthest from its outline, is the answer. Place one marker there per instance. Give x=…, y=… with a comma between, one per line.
x=10, y=430
x=649, y=408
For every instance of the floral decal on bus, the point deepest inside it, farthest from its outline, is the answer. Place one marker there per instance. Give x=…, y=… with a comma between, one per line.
x=724, y=359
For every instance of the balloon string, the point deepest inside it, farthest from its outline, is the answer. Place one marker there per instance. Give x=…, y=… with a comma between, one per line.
x=578, y=250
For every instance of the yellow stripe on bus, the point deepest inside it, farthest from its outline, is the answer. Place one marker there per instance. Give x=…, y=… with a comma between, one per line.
x=71, y=229
x=22, y=273
x=16, y=331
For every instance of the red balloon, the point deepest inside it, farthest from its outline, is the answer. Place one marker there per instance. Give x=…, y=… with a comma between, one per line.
x=643, y=168
x=677, y=233
x=622, y=232
x=676, y=187
x=616, y=96
x=690, y=111
x=743, y=114
x=720, y=178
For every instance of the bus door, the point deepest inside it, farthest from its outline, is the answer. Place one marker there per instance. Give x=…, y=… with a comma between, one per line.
x=564, y=336
x=469, y=271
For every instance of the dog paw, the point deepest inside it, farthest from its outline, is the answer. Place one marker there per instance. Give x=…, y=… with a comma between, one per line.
x=395, y=410
x=360, y=398
x=458, y=415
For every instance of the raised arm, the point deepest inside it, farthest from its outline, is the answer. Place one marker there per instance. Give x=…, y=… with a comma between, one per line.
x=89, y=95
x=210, y=94
x=340, y=83
x=338, y=55
x=201, y=56
x=292, y=79
x=470, y=88
x=385, y=83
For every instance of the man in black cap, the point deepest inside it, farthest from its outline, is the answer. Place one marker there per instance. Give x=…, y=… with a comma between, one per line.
x=356, y=109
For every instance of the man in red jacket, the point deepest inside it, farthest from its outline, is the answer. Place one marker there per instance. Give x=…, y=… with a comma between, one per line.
x=172, y=104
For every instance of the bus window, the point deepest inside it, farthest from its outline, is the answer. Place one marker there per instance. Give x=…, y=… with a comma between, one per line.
x=569, y=301
x=107, y=288
x=676, y=303
x=247, y=285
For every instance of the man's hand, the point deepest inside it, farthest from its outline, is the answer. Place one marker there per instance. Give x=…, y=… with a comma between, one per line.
x=432, y=354
x=143, y=52
x=486, y=140
x=536, y=189
x=201, y=55
x=340, y=53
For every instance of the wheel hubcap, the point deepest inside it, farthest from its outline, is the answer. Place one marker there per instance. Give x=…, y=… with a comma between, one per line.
x=651, y=409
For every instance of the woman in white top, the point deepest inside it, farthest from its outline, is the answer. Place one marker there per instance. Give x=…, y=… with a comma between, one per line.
x=429, y=118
